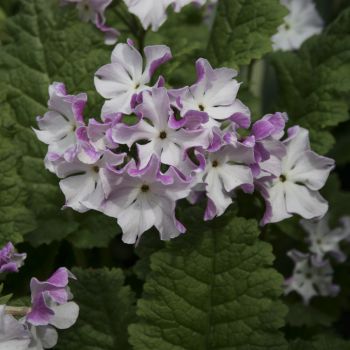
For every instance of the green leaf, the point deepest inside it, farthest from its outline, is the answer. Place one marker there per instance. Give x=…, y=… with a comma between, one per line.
x=95, y=230
x=314, y=82
x=242, y=30
x=106, y=309
x=47, y=43
x=211, y=289
x=148, y=244
x=322, y=342
x=15, y=219
x=323, y=314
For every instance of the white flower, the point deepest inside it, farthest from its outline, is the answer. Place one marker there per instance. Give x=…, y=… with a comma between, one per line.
x=152, y=13
x=13, y=334
x=226, y=170
x=42, y=337
x=310, y=277
x=146, y=198
x=302, y=22
x=156, y=127
x=303, y=174
x=84, y=185
x=323, y=240
x=59, y=127
x=125, y=77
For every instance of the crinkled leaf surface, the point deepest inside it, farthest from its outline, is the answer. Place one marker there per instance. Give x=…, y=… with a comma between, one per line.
x=15, y=218
x=314, y=82
x=242, y=30
x=148, y=244
x=48, y=43
x=106, y=309
x=212, y=289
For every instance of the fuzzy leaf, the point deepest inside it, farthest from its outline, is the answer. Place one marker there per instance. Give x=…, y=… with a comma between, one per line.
x=322, y=101
x=212, y=289
x=15, y=219
x=106, y=309
x=242, y=30
x=47, y=43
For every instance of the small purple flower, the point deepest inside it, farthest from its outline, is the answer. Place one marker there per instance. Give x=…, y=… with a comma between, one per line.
x=311, y=277
x=60, y=127
x=322, y=240
x=267, y=133
x=141, y=199
x=125, y=77
x=51, y=303
x=10, y=261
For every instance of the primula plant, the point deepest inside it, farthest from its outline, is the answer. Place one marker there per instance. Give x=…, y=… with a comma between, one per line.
x=174, y=174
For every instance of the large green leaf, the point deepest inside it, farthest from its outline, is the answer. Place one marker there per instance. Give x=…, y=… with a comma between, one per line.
x=15, y=218
x=106, y=309
x=314, y=82
x=242, y=30
x=212, y=288
x=47, y=43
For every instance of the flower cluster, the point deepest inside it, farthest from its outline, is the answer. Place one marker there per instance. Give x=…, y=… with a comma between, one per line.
x=94, y=11
x=302, y=22
x=51, y=308
x=313, y=272
x=155, y=146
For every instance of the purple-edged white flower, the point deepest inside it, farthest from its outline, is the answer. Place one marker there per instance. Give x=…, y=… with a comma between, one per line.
x=214, y=93
x=10, y=261
x=146, y=198
x=226, y=170
x=84, y=185
x=51, y=303
x=303, y=174
x=322, y=240
x=311, y=277
x=99, y=134
x=60, y=127
x=302, y=22
x=158, y=131
x=94, y=11
x=126, y=77
x=13, y=334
